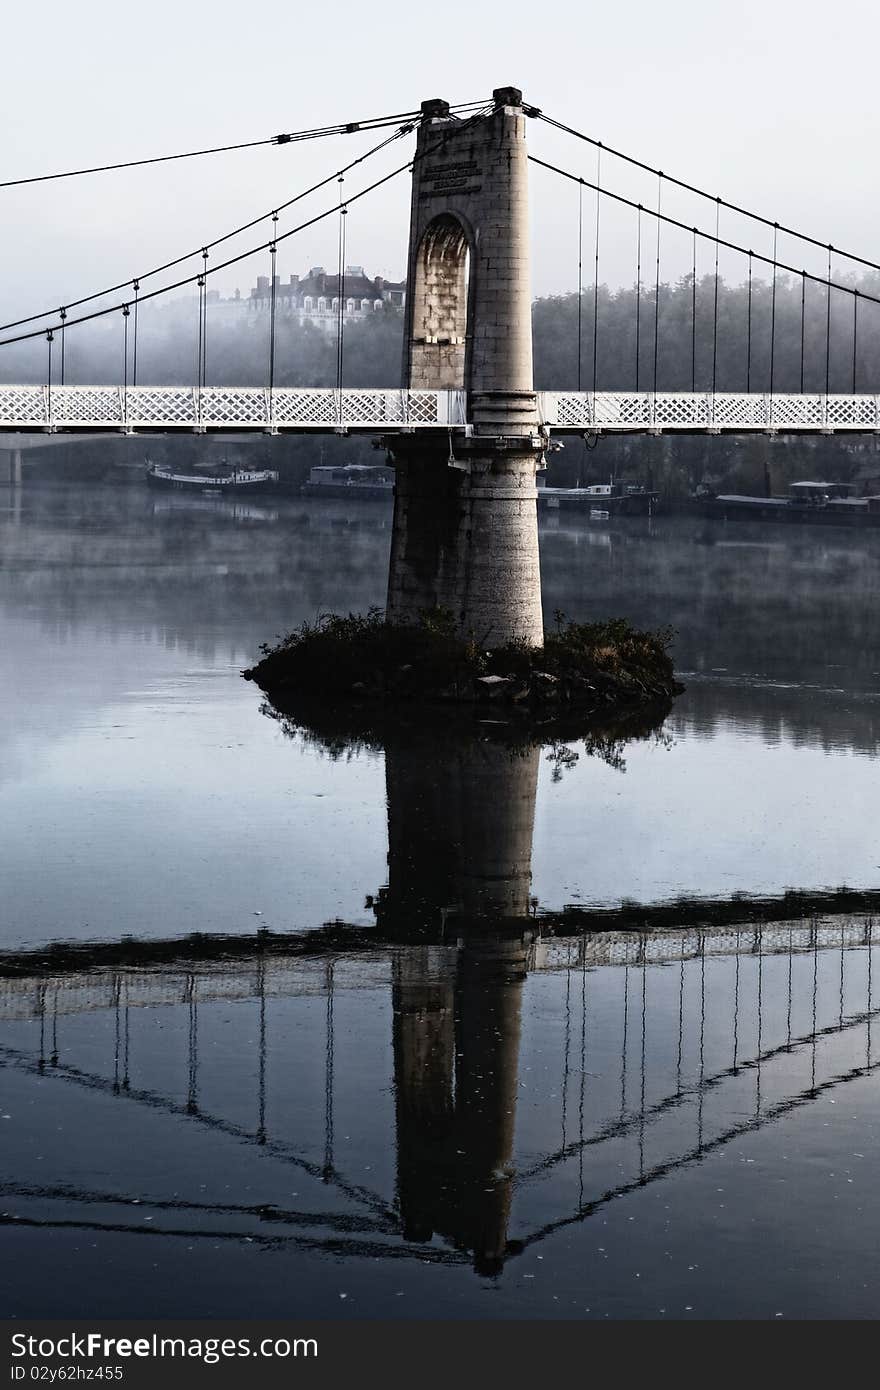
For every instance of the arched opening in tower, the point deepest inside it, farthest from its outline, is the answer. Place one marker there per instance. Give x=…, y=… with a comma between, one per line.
x=440, y=304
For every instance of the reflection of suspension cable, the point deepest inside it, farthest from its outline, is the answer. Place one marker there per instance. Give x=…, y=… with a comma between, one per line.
x=583, y=1069
x=623, y=1049
x=760, y=1025
x=701, y=1087
x=680, y=1022
x=736, y=1009
x=815, y=992
x=790, y=959
x=116, y=1033
x=328, y=1079
x=870, y=963
x=644, y=1041
x=566, y=1054
x=261, y=1128
x=192, y=1097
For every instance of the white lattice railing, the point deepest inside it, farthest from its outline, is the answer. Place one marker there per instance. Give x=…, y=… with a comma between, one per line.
x=224, y=407
x=705, y=410
x=159, y=408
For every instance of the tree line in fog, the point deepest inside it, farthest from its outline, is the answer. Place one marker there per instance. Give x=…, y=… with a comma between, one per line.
x=680, y=330
x=688, y=350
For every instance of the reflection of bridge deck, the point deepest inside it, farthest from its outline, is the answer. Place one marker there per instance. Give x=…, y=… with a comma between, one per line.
x=257, y=975
x=667, y=1046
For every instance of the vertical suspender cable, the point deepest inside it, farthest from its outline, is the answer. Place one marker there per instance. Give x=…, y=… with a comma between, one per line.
x=134, y=366
x=201, y=284
x=273, y=279
x=828, y=334
x=204, y=336
x=580, y=300
x=125, y=314
x=49, y=338
x=657, y=296
x=694, y=317
x=803, y=323
x=749, y=332
x=773, y=322
x=596, y=276
x=638, y=291
x=855, y=337
x=340, y=322
x=62, y=314
x=715, y=306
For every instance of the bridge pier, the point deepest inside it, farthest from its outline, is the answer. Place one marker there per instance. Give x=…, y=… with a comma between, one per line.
x=465, y=539
x=13, y=470
x=465, y=532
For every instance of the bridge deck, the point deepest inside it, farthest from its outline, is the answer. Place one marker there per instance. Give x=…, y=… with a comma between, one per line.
x=177, y=409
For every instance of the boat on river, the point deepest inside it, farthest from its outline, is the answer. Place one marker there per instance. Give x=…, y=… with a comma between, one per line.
x=821, y=503
x=227, y=481
x=600, y=500
x=353, y=481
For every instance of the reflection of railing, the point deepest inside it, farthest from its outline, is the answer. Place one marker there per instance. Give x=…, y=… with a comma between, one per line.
x=704, y=1026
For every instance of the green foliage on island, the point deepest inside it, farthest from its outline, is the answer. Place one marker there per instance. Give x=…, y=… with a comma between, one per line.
x=364, y=656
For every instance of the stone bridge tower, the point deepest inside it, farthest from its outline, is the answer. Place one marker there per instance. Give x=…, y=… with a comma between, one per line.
x=465, y=532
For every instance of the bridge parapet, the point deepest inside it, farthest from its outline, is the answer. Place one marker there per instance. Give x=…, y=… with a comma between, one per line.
x=706, y=411
x=178, y=408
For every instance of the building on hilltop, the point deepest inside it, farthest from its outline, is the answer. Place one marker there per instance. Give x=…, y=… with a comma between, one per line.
x=314, y=298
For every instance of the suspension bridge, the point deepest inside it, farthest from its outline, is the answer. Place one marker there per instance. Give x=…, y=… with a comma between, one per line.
x=466, y=431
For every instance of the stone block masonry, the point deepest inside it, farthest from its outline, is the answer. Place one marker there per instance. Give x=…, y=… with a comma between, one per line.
x=465, y=532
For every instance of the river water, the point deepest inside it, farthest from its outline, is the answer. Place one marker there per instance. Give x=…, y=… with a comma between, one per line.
x=291, y=1024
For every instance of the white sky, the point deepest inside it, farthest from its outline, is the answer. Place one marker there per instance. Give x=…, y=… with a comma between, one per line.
x=771, y=104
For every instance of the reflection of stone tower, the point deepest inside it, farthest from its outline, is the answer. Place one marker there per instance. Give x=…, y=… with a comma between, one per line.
x=456, y=1055
x=460, y=818
x=465, y=536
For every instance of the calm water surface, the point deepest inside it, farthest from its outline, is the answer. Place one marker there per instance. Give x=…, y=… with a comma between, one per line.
x=417, y=1112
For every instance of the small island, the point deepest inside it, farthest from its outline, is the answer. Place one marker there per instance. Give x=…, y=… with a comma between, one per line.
x=582, y=667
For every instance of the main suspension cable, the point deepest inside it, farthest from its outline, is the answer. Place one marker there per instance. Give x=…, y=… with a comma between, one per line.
x=701, y=193
x=218, y=241
x=253, y=250
x=293, y=137
x=708, y=236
